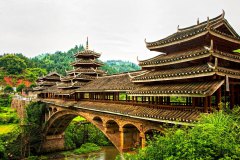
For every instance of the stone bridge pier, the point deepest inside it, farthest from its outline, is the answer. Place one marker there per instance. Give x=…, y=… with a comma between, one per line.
x=125, y=133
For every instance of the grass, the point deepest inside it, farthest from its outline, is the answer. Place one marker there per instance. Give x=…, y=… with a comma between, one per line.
x=6, y=128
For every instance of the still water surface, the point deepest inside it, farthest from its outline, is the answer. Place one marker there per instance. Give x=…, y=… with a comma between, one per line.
x=107, y=153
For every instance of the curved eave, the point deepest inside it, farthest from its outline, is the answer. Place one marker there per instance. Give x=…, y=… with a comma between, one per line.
x=108, y=90
x=225, y=36
x=87, y=55
x=176, y=78
x=177, y=61
x=87, y=63
x=166, y=43
x=228, y=72
x=190, y=37
x=224, y=56
x=182, y=93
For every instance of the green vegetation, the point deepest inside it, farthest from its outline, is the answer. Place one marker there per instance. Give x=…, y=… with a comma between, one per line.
x=87, y=148
x=237, y=51
x=216, y=136
x=6, y=128
x=12, y=64
x=9, y=129
x=8, y=89
x=79, y=132
x=20, y=87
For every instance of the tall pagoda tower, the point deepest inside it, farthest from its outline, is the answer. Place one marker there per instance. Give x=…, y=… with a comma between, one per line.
x=86, y=68
x=197, y=63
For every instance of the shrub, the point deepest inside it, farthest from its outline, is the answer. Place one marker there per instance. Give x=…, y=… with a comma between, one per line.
x=87, y=148
x=8, y=89
x=20, y=87
x=216, y=136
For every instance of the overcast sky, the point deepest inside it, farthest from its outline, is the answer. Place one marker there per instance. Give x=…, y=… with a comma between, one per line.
x=116, y=28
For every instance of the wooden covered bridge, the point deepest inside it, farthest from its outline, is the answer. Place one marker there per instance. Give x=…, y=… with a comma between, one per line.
x=196, y=72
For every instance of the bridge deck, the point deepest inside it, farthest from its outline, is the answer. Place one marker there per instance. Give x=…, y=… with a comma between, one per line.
x=134, y=111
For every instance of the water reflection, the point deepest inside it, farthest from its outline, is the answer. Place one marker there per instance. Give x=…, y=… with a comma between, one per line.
x=107, y=153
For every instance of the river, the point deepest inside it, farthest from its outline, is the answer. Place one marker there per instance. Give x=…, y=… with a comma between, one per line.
x=106, y=153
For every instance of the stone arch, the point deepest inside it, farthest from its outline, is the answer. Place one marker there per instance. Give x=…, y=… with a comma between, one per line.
x=59, y=121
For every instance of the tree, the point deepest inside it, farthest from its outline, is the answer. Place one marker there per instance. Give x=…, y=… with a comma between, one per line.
x=20, y=87
x=8, y=89
x=32, y=74
x=12, y=64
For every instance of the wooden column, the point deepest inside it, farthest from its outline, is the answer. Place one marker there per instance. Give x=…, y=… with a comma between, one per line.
x=205, y=104
x=193, y=101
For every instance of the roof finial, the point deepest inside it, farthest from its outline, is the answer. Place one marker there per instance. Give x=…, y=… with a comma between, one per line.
x=178, y=28
x=211, y=45
x=87, y=44
x=198, y=21
x=137, y=59
x=207, y=22
x=223, y=13
x=145, y=40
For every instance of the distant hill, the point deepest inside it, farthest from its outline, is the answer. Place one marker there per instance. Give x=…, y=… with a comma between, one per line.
x=60, y=61
x=19, y=67
x=119, y=66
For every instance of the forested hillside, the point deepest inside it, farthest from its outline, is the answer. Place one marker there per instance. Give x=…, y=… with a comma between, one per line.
x=18, y=66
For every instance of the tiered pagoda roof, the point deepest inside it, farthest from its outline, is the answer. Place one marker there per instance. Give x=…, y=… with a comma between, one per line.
x=85, y=69
x=217, y=28
x=193, y=58
x=47, y=81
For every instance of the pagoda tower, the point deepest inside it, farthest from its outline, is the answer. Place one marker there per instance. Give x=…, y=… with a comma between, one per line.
x=197, y=64
x=86, y=68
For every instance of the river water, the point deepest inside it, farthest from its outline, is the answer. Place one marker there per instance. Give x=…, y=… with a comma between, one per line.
x=106, y=153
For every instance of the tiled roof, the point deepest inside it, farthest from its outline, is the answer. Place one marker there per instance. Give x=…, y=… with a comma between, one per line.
x=235, y=57
x=46, y=83
x=173, y=74
x=134, y=111
x=78, y=77
x=89, y=62
x=191, y=89
x=70, y=85
x=166, y=59
x=87, y=53
x=141, y=112
x=193, y=31
x=86, y=71
x=120, y=82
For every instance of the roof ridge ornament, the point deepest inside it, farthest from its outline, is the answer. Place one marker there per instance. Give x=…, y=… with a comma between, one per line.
x=197, y=21
x=223, y=13
x=87, y=44
x=145, y=40
x=178, y=28
x=208, y=22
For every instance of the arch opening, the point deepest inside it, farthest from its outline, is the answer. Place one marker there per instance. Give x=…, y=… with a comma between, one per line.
x=112, y=127
x=98, y=120
x=131, y=137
